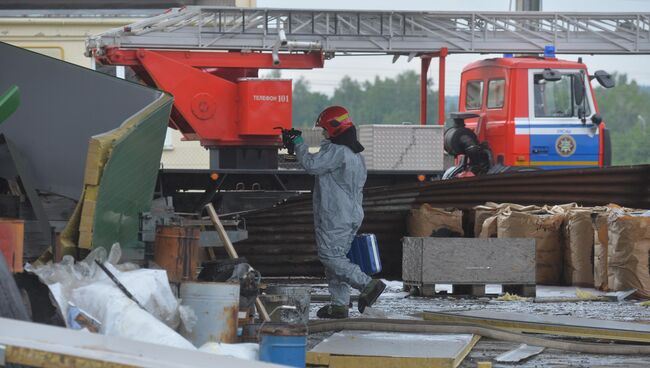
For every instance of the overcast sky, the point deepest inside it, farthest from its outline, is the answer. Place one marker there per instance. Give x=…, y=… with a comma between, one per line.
x=367, y=67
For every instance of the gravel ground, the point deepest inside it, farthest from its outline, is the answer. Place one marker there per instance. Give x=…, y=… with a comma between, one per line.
x=395, y=303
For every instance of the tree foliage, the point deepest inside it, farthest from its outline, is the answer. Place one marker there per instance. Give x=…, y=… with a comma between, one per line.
x=382, y=101
x=626, y=112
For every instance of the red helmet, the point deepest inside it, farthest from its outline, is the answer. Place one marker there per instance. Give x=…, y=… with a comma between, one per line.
x=334, y=119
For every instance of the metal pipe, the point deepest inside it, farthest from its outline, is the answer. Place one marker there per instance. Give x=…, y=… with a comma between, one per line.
x=441, y=84
x=424, y=69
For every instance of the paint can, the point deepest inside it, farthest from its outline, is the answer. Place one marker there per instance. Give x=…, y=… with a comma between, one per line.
x=216, y=305
x=283, y=344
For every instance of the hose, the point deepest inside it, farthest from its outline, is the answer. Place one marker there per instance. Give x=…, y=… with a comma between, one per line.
x=419, y=326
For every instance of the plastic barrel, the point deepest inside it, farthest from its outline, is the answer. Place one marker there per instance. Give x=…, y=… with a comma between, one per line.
x=12, y=233
x=285, y=350
x=216, y=305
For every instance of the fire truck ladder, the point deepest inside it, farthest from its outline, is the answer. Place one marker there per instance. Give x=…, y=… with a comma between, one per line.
x=333, y=31
x=422, y=34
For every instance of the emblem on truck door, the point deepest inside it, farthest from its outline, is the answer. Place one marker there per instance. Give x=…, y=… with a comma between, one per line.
x=565, y=145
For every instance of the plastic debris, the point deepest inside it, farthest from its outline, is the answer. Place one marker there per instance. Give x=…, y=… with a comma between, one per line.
x=89, y=289
x=517, y=355
x=81, y=320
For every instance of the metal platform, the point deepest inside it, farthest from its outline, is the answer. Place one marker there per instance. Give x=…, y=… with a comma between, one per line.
x=392, y=32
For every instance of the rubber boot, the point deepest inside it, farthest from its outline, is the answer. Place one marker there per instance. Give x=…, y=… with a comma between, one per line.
x=333, y=311
x=370, y=293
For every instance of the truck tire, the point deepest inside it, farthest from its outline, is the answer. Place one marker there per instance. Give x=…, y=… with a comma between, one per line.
x=11, y=302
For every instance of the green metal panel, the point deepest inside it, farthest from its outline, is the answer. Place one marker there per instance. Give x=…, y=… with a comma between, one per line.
x=9, y=102
x=128, y=180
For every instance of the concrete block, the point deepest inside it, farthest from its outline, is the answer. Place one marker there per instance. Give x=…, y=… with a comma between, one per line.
x=468, y=261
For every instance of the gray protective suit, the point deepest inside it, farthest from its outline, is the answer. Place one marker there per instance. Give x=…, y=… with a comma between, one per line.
x=338, y=213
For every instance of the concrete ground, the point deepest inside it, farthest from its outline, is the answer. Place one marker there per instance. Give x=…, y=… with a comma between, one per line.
x=395, y=303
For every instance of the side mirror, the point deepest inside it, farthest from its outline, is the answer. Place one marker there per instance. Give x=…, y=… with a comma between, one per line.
x=551, y=75
x=578, y=89
x=604, y=79
x=596, y=119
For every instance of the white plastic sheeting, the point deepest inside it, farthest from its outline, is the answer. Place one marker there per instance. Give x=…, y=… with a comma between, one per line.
x=89, y=288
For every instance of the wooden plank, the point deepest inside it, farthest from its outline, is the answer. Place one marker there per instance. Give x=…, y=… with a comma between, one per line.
x=471, y=261
x=544, y=324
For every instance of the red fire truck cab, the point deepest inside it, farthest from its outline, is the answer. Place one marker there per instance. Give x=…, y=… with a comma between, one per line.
x=527, y=112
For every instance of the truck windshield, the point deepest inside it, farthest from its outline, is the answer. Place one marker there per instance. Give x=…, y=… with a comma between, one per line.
x=554, y=99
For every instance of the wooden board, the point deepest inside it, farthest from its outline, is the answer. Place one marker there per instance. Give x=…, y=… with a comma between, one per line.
x=349, y=349
x=40, y=345
x=468, y=261
x=545, y=324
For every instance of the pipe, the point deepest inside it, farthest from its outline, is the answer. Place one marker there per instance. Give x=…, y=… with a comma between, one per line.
x=419, y=326
x=441, y=84
x=424, y=69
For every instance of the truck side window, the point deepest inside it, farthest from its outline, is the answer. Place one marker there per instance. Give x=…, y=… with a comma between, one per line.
x=473, y=95
x=496, y=93
x=554, y=99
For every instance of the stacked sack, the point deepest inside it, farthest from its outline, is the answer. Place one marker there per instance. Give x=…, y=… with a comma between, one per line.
x=628, y=249
x=542, y=224
x=428, y=221
x=605, y=247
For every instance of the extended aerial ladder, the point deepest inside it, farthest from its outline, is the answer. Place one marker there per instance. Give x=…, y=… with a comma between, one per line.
x=260, y=36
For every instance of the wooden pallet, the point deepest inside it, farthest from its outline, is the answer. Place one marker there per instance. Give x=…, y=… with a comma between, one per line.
x=474, y=290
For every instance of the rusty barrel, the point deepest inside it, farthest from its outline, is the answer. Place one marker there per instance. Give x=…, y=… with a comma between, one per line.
x=12, y=233
x=216, y=305
x=177, y=251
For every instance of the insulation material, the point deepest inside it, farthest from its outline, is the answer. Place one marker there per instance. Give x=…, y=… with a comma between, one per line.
x=545, y=229
x=628, y=252
x=108, y=211
x=426, y=220
x=578, y=248
x=485, y=221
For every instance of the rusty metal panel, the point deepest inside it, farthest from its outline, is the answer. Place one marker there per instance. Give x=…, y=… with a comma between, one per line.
x=281, y=239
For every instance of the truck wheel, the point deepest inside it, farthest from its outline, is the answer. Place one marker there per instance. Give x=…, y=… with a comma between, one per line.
x=11, y=302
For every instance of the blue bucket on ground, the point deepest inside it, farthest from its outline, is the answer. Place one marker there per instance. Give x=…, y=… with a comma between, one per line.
x=283, y=345
x=365, y=253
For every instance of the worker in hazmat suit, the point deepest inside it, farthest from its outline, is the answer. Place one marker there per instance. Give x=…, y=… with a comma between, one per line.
x=340, y=173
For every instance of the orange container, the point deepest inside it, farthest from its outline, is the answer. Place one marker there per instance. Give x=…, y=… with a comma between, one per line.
x=12, y=234
x=177, y=251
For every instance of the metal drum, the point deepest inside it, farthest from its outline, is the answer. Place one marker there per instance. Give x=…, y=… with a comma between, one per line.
x=216, y=305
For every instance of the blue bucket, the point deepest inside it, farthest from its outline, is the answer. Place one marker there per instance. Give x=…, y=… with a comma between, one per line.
x=286, y=350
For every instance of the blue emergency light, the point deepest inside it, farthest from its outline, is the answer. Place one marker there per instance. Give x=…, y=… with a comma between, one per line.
x=549, y=51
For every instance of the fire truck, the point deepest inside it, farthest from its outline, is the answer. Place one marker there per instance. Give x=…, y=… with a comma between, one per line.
x=533, y=112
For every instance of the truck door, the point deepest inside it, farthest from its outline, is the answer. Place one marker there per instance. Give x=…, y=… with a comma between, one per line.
x=558, y=137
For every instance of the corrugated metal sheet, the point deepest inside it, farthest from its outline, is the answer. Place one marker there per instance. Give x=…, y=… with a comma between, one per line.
x=281, y=240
